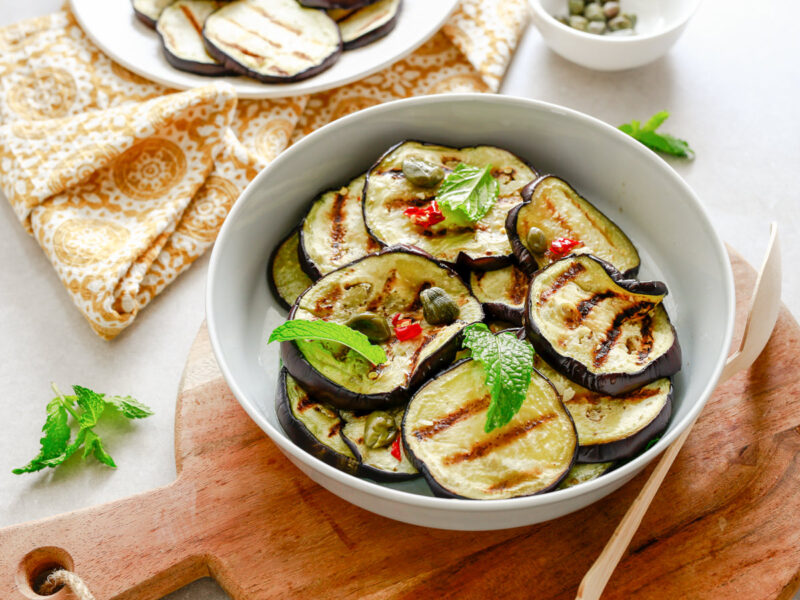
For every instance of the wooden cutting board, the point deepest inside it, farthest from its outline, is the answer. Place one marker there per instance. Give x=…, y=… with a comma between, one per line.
x=724, y=525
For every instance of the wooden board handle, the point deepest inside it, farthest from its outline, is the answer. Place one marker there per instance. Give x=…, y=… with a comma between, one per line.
x=139, y=547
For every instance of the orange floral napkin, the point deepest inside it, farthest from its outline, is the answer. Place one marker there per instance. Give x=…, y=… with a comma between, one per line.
x=125, y=183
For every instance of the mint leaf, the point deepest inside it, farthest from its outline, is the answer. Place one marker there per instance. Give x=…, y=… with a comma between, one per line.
x=467, y=194
x=333, y=332
x=129, y=407
x=93, y=445
x=54, y=441
x=660, y=142
x=92, y=404
x=508, y=362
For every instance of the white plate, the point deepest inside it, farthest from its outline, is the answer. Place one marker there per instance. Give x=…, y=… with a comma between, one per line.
x=112, y=25
x=628, y=182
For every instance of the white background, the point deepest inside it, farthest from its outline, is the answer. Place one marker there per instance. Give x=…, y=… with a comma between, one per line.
x=732, y=84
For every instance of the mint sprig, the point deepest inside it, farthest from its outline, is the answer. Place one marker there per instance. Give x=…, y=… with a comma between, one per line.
x=660, y=142
x=86, y=408
x=467, y=194
x=508, y=362
x=332, y=332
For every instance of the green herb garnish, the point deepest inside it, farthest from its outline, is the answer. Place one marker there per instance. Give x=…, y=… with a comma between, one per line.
x=467, y=194
x=651, y=443
x=55, y=443
x=660, y=142
x=508, y=362
x=332, y=332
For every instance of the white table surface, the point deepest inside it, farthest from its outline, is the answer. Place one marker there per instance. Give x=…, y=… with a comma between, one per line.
x=732, y=84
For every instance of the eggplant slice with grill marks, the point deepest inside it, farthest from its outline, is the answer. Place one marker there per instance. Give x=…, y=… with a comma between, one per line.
x=180, y=27
x=602, y=331
x=387, y=194
x=313, y=425
x=583, y=472
x=274, y=41
x=443, y=432
x=285, y=277
x=332, y=233
x=376, y=463
x=502, y=293
x=613, y=427
x=148, y=11
x=384, y=284
x=369, y=23
x=554, y=207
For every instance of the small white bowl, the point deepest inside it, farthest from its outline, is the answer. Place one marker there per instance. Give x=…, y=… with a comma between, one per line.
x=628, y=182
x=659, y=24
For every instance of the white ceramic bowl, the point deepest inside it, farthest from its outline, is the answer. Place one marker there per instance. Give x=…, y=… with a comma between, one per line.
x=659, y=25
x=628, y=182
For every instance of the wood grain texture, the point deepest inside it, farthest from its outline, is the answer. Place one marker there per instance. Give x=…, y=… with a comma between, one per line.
x=723, y=525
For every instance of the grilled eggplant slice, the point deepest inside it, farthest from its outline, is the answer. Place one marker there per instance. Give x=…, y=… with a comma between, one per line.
x=312, y=425
x=332, y=233
x=602, y=331
x=554, y=207
x=384, y=284
x=180, y=27
x=443, y=432
x=502, y=293
x=613, y=427
x=148, y=11
x=387, y=194
x=583, y=472
x=286, y=279
x=369, y=23
x=274, y=41
x=376, y=463
x=336, y=4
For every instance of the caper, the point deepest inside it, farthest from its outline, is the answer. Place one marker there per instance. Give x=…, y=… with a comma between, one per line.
x=611, y=9
x=620, y=22
x=596, y=27
x=631, y=17
x=536, y=240
x=563, y=19
x=576, y=7
x=422, y=173
x=380, y=429
x=594, y=12
x=578, y=22
x=438, y=307
x=371, y=325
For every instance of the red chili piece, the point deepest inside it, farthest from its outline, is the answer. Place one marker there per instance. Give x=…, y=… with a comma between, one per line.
x=396, y=318
x=562, y=246
x=407, y=330
x=395, y=451
x=425, y=216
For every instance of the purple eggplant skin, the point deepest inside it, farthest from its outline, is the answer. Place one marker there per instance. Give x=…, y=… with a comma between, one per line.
x=463, y=261
x=375, y=34
x=190, y=66
x=629, y=447
x=526, y=260
x=302, y=437
x=441, y=491
x=270, y=279
x=612, y=384
x=497, y=311
x=327, y=4
x=306, y=264
x=151, y=23
x=235, y=67
x=326, y=390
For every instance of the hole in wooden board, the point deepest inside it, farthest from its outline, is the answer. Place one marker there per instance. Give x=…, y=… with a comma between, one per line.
x=37, y=565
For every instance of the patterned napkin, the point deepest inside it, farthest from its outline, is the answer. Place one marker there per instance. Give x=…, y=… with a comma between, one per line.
x=125, y=183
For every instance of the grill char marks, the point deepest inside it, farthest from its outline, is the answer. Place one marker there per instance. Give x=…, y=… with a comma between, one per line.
x=305, y=403
x=600, y=354
x=571, y=273
x=513, y=480
x=335, y=429
x=415, y=357
x=338, y=230
x=519, y=286
x=504, y=438
x=378, y=300
x=467, y=410
x=647, y=338
x=586, y=306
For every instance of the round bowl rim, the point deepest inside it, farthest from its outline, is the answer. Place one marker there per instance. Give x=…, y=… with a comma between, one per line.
x=546, y=17
x=387, y=494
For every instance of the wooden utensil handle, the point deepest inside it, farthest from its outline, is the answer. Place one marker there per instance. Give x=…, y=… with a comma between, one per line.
x=141, y=547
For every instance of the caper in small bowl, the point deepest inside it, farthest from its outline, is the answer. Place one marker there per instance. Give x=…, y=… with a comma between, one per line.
x=611, y=35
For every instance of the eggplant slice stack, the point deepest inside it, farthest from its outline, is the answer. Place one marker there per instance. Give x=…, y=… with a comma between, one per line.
x=180, y=27
x=365, y=25
x=605, y=347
